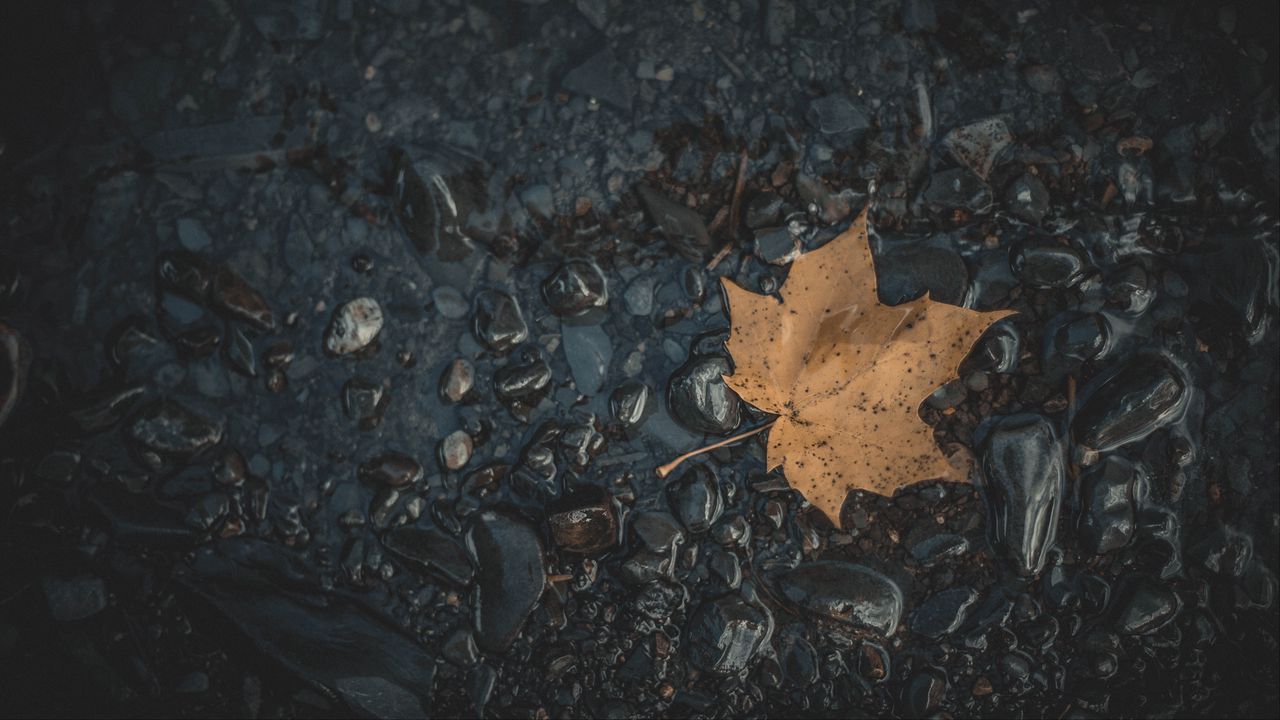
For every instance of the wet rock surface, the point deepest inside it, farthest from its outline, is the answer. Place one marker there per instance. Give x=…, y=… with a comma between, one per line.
x=844, y=592
x=700, y=400
x=232, y=488
x=1023, y=480
x=509, y=580
x=354, y=326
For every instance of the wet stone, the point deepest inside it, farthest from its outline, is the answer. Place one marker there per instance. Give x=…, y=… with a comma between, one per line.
x=657, y=600
x=1226, y=551
x=726, y=566
x=844, y=592
x=186, y=274
x=238, y=353
x=584, y=522
x=1027, y=199
x=938, y=548
x=431, y=552
x=523, y=385
x=390, y=469
x=207, y=510
x=455, y=450
x=874, y=663
x=457, y=381
x=763, y=210
x=923, y=693
x=1146, y=394
x=726, y=634
x=1023, y=479
x=998, y=350
x=799, y=659
x=699, y=398
x=734, y=530
x=944, y=612
x=908, y=273
x=428, y=213
x=510, y=580
x=776, y=246
x=630, y=404
x=681, y=226
x=837, y=115
x=604, y=77
x=449, y=303
x=575, y=288
x=957, y=190
x=165, y=433
x=1107, y=519
x=1043, y=79
x=234, y=296
x=230, y=470
x=579, y=444
x=101, y=412
x=460, y=648
x=1143, y=606
x=590, y=351
x=192, y=235
x=1046, y=263
x=644, y=566
x=1131, y=289
x=498, y=322
x=639, y=296
x=196, y=341
x=74, y=598
x=384, y=503
x=694, y=498
x=979, y=146
x=355, y=324
x=363, y=401
x=658, y=531
x=1080, y=339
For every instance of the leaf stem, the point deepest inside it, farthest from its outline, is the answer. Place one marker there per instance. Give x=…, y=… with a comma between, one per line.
x=666, y=470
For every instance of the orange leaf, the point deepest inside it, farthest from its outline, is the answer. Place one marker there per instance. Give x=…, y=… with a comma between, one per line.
x=846, y=374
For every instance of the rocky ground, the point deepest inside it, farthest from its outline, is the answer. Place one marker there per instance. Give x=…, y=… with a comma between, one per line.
x=341, y=340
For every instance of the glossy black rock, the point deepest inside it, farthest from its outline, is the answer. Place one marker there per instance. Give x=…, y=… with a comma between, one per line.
x=1023, y=480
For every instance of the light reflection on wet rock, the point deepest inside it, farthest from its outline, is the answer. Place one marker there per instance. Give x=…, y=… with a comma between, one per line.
x=727, y=634
x=498, y=322
x=843, y=592
x=1146, y=394
x=699, y=398
x=166, y=433
x=1023, y=479
x=355, y=324
x=575, y=288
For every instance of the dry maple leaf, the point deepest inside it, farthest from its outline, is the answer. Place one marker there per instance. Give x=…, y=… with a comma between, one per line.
x=846, y=374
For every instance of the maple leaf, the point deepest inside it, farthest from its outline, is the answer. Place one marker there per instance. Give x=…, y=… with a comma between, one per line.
x=846, y=374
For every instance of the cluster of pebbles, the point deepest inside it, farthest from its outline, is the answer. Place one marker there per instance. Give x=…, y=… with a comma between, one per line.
x=361, y=413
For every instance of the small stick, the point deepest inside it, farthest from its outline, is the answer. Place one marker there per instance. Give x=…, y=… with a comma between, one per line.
x=666, y=470
x=735, y=208
x=724, y=252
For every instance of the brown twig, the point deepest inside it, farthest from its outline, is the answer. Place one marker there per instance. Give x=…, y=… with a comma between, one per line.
x=735, y=212
x=666, y=470
x=724, y=252
x=735, y=206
